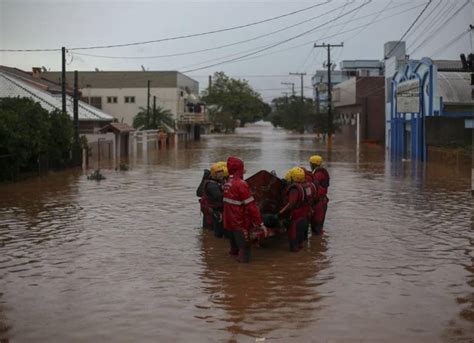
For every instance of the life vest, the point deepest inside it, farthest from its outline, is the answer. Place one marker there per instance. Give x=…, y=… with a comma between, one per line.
x=211, y=202
x=301, y=208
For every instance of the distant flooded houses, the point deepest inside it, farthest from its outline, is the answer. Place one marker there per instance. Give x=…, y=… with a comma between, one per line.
x=125, y=93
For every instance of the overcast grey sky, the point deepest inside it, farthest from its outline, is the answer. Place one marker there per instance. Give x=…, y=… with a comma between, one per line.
x=33, y=24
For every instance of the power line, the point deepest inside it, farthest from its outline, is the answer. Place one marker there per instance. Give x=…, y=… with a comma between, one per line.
x=409, y=28
x=450, y=43
x=432, y=23
x=278, y=43
x=179, y=37
x=440, y=27
x=184, y=53
x=320, y=38
x=213, y=48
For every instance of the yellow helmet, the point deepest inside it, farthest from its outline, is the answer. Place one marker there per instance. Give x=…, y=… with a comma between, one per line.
x=298, y=174
x=295, y=174
x=219, y=169
x=316, y=159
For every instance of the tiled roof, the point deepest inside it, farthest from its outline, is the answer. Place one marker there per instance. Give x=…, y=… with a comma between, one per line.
x=117, y=127
x=12, y=85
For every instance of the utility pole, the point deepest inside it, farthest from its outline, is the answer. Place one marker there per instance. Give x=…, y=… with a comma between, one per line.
x=148, y=103
x=76, y=151
x=63, y=78
x=154, y=111
x=302, y=83
x=210, y=84
x=330, y=119
x=292, y=84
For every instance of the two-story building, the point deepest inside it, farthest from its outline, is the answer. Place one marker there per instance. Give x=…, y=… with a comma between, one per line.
x=125, y=93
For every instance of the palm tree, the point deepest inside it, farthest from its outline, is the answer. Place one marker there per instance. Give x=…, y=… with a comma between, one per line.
x=158, y=119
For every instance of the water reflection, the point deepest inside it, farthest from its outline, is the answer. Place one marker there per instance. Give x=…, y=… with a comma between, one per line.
x=120, y=260
x=278, y=291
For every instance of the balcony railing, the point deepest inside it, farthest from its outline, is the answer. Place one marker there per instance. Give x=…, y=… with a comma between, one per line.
x=193, y=118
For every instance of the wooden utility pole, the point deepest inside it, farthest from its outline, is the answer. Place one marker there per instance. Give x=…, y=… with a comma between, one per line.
x=63, y=78
x=76, y=152
x=292, y=84
x=330, y=119
x=302, y=83
x=210, y=84
x=154, y=111
x=148, y=103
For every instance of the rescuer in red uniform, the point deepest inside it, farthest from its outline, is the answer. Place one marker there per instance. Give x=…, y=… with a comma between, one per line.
x=321, y=180
x=241, y=214
x=213, y=193
x=297, y=208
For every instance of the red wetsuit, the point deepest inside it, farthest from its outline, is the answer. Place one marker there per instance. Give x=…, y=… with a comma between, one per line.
x=298, y=210
x=241, y=214
x=321, y=180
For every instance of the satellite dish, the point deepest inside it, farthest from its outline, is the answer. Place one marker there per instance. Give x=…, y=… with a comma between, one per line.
x=43, y=68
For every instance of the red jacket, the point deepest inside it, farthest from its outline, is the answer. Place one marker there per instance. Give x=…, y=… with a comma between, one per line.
x=298, y=207
x=240, y=211
x=321, y=176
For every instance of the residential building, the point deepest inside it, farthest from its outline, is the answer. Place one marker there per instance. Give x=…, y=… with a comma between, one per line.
x=125, y=93
x=349, y=69
x=18, y=83
x=359, y=109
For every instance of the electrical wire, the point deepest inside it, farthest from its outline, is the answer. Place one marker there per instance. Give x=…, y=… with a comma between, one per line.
x=431, y=25
x=440, y=27
x=450, y=43
x=178, y=37
x=311, y=42
x=409, y=28
x=276, y=44
x=191, y=52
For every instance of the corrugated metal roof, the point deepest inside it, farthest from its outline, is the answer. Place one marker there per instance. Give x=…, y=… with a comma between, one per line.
x=455, y=88
x=446, y=65
x=11, y=86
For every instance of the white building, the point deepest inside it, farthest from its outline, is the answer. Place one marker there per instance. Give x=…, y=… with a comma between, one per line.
x=123, y=93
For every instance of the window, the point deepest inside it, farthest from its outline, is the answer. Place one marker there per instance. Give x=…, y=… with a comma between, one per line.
x=129, y=99
x=111, y=99
x=96, y=101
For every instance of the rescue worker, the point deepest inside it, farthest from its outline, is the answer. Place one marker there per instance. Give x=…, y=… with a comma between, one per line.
x=213, y=192
x=241, y=213
x=297, y=208
x=206, y=213
x=321, y=180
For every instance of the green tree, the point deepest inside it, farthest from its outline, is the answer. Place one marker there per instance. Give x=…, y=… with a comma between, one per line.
x=293, y=114
x=29, y=133
x=235, y=100
x=160, y=118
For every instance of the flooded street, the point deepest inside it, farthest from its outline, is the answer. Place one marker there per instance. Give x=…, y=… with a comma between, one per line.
x=124, y=259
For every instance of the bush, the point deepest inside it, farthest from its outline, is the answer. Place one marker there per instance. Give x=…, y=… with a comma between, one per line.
x=30, y=135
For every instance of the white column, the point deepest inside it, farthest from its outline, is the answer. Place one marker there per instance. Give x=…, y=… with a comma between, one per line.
x=144, y=142
x=357, y=137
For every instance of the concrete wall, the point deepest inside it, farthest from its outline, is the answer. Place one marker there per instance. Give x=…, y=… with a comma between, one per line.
x=345, y=93
x=447, y=132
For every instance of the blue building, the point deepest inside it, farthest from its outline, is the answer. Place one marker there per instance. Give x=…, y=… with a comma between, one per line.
x=430, y=105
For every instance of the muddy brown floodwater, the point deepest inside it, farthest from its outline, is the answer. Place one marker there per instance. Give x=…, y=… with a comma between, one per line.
x=124, y=260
